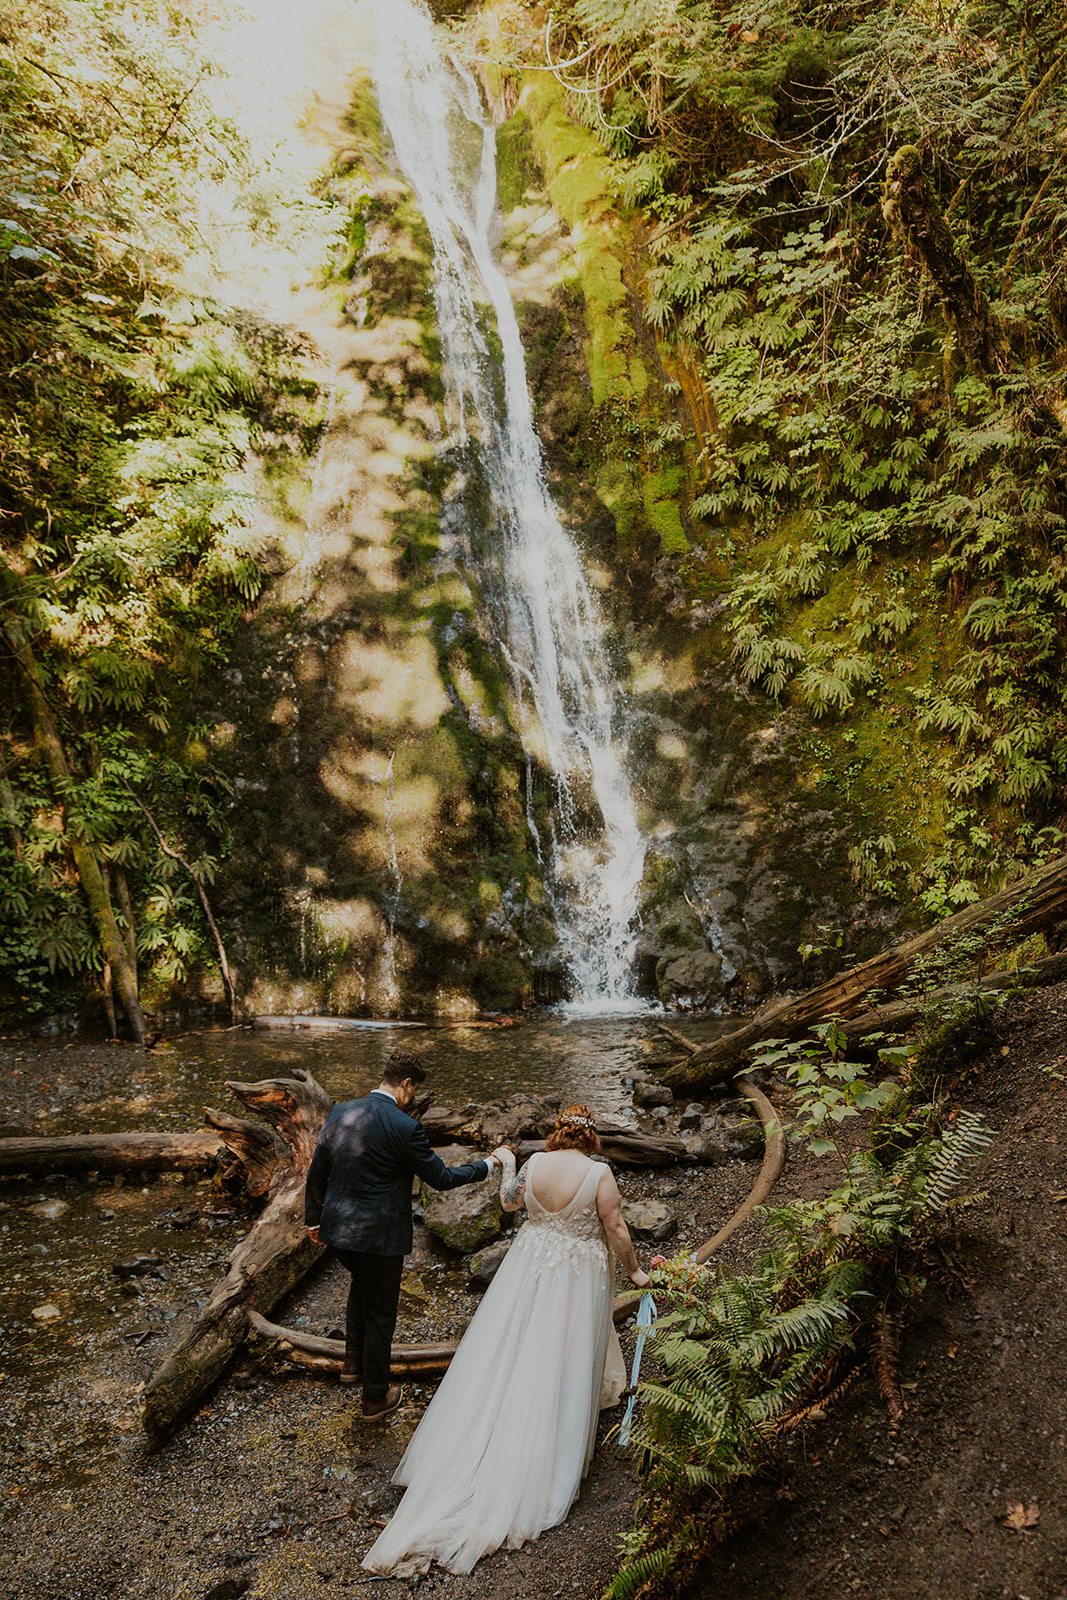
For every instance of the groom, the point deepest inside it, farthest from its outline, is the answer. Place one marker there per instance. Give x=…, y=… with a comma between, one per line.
x=358, y=1200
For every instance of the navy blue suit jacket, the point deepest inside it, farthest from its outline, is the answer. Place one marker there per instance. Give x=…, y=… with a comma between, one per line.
x=358, y=1190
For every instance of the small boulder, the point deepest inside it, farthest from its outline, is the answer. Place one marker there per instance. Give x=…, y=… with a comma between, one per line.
x=482, y=1267
x=49, y=1312
x=707, y=1149
x=465, y=1219
x=649, y=1094
x=745, y=1139
x=50, y=1210
x=691, y=1117
x=137, y=1266
x=649, y=1219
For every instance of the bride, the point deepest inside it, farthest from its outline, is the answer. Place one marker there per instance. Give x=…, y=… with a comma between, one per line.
x=504, y=1444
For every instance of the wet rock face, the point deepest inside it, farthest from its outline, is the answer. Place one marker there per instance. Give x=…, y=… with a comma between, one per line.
x=748, y=863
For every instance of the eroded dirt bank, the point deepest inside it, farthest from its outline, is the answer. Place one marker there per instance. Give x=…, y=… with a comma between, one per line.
x=274, y=1488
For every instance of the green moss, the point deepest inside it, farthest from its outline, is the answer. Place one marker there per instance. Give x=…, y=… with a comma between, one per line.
x=516, y=168
x=661, y=498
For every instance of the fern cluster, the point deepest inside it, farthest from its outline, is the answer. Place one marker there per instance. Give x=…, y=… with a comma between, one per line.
x=742, y=1358
x=885, y=525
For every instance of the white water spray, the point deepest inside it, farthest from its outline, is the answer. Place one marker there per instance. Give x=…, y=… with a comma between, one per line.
x=550, y=622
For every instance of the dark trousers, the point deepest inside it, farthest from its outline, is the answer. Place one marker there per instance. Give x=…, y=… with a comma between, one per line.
x=370, y=1316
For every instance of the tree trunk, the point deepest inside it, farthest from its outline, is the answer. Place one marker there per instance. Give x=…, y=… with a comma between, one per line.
x=89, y=873
x=626, y=1149
x=268, y=1262
x=111, y=1152
x=175, y=855
x=909, y=206
x=1031, y=905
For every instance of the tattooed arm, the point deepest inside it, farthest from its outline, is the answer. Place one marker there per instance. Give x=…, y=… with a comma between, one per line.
x=512, y=1184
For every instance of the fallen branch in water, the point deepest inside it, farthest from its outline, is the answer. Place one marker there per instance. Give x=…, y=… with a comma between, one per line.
x=1033, y=904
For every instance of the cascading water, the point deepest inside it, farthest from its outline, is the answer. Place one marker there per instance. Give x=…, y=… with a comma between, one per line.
x=552, y=633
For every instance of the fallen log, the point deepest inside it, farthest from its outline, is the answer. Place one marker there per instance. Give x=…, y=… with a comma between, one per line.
x=625, y=1149
x=264, y=1266
x=1031, y=905
x=111, y=1152
x=903, y=1016
x=343, y=1024
x=413, y=1361
x=773, y=1163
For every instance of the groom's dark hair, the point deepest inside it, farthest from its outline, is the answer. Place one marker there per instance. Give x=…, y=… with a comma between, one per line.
x=400, y=1065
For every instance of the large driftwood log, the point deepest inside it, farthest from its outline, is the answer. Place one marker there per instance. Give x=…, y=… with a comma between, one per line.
x=1031, y=905
x=264, y=1266
x=111, y=1152
x=625, y=1149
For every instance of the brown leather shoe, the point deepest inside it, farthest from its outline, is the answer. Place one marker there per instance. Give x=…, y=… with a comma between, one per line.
x=352, y=1368
x=375, y=1410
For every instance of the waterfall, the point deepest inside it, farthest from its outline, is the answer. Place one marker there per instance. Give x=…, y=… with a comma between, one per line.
x=551, y=632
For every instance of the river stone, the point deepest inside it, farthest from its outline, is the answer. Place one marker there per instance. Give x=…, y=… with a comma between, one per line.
x=465, y=1219
x=48, y=1209
x=649, y=1219
x=482, y=1267
x=137, y=1266
x=47, y=1313
x=691, y=981
x=706, y=1148
x=691, y=1117
x=653, y=1094
x=745, y=1140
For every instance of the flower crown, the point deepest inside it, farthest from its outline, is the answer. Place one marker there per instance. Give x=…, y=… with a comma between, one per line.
x=566, y=1121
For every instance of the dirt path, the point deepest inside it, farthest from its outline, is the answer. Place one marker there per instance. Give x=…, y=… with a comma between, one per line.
x=276, y=1488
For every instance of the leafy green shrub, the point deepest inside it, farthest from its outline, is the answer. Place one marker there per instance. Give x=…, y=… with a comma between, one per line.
x=743, y=1358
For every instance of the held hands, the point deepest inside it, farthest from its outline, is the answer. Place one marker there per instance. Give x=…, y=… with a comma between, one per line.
x=502, y=1156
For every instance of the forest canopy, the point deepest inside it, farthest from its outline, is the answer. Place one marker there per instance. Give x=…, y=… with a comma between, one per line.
x=127, y=404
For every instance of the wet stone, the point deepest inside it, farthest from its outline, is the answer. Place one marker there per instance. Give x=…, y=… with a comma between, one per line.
x=50, y=1210
x=653, y=1094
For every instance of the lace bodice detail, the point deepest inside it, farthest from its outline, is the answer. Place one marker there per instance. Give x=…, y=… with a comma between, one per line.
x=573, y=1234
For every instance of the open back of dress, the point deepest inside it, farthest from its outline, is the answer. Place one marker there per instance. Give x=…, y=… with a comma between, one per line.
x=506, y=1441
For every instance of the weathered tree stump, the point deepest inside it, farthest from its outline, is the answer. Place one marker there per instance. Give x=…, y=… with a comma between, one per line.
x=264, y=1266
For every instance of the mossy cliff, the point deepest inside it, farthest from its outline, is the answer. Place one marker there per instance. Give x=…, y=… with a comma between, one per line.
x=403, y=879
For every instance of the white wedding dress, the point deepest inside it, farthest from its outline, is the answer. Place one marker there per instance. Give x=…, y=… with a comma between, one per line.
x=504, y=1444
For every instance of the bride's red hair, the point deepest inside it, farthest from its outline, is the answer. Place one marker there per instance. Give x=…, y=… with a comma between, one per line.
x=575, y=1130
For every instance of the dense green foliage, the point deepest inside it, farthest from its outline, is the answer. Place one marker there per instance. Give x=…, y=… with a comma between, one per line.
x=126, y=405
x=745, y=1359
x=876, y=488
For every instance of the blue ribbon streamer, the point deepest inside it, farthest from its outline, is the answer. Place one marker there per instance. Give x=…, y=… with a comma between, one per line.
x=646, y=1316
